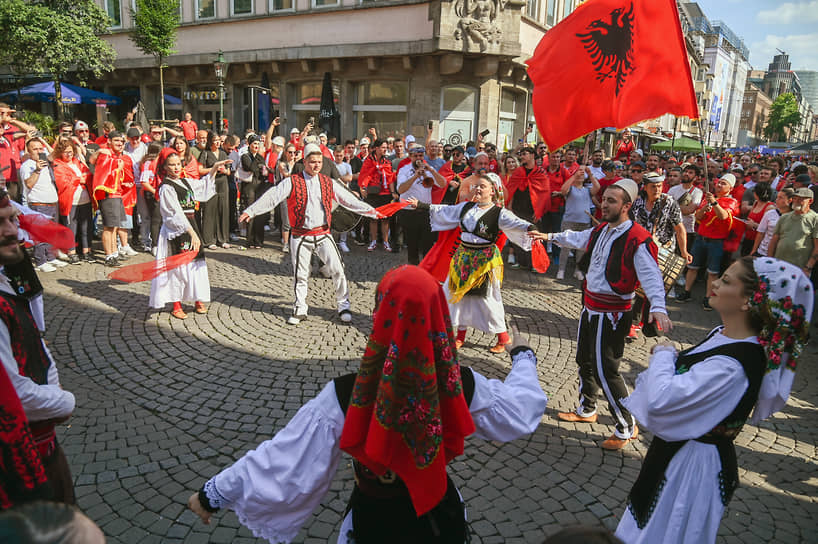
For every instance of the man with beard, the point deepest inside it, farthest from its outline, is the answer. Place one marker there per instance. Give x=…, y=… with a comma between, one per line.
x=619, y=253
x=795, y=238
x=417, y=180
x=528, y=196
x=28, y=362
x=596, y=164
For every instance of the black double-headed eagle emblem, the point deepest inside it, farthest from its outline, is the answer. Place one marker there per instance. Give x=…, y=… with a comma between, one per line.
x=610, y=46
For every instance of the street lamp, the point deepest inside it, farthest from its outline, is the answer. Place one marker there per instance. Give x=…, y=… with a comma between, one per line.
x=219, y=66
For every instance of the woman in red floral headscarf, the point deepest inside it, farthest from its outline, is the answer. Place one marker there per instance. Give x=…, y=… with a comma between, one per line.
x=402, y=417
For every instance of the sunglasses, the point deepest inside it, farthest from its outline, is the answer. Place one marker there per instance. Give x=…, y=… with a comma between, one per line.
x=636, y=171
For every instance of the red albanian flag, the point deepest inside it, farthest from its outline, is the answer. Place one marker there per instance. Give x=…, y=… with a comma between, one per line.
x=610, y=63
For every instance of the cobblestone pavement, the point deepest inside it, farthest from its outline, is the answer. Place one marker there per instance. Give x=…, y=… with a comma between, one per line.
x=164, y=404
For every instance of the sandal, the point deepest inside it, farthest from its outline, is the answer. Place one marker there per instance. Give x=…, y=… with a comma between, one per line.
x=201, y=308
x=179, y=314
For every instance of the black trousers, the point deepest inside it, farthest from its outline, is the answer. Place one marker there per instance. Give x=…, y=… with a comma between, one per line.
x=250, y=192
x=215, y=215
x=417, y=233
x=600, y=345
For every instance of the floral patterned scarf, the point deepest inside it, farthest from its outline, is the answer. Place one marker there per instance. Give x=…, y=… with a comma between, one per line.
x=407, y=413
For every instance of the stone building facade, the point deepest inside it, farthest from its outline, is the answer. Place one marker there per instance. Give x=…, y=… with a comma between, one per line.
x=395, y=64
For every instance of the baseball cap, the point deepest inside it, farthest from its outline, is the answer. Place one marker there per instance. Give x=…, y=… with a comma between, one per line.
x=80, y=125
x=418, y=149
x=115, y=134
x=409, y=139
x=804, y=192
x=133, y=132
x=295, y=131
x=738, y=167
x=640, y=164
x=364, y=141
x=607, y=165
x=803, y=179
x=279, y=141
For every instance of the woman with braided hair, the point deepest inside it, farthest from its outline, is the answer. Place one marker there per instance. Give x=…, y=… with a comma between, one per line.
x=696, y=401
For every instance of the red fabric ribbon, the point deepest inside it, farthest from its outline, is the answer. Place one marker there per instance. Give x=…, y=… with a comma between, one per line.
x=387, y=210
x=44, y=230
x=151, y=269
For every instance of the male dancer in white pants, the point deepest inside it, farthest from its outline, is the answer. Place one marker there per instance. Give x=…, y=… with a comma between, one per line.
x=309, y=199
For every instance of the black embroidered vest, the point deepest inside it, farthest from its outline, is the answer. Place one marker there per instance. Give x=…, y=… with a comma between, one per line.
x=381, y=507
x=487, y=227
x=184, y=242
x=648, y=487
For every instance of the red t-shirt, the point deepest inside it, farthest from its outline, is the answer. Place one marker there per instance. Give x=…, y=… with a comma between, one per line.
x=623, y=150
x=189, y=129
x=738, y=191
x=556, y=179
x=9, y=157
x=711, y=226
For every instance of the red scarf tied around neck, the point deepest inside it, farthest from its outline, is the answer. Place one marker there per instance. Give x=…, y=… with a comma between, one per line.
x=407, y=413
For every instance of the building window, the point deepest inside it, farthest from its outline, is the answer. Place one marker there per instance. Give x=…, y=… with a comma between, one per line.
x=114, y=10
x=205, y=9
x=281, y=5
x=567, y=8
x=241, y=7
x=457, y=109
x=551, y=12
x=508, y=115
x=532, y=9
x=307, y=101
x=324, y=3
x=381, y=104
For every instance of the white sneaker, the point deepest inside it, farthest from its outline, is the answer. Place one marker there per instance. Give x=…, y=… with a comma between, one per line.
x=372, y=245
x=512, y=259
x=579, y=275
x=387, y=247
x=295, y=319
x=560, y=274
x=234, y=237
x=46, y=267
x=286, y=248
x=127, y=251
x=153, y=251
x=57, y=263
x=266, y=228
x=62, y=256
x=343, y=247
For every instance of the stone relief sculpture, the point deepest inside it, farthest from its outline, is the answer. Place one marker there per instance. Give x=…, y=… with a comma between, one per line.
x=477, y=22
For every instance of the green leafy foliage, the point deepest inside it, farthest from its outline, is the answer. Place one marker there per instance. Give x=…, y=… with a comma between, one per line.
x=155, y=24
x=783, y=115
x=55, y=37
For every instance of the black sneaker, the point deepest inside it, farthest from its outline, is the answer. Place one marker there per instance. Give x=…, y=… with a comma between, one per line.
x=706, y=305
x=683, y=296
x=113, y=262
x=88, y=258
x=74, y=259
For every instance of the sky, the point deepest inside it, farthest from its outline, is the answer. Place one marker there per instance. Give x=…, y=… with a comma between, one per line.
x=765, y=25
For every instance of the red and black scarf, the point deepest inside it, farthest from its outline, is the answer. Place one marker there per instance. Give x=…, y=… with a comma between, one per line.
x=407, y=413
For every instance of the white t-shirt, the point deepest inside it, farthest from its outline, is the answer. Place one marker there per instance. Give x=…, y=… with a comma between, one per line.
x=696, y=194
x=767, y=227
x=597, y=171
x=417, y=190
x=344, y=169
x=44, y=191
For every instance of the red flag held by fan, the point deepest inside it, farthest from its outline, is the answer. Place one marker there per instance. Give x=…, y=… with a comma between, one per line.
x=151, y=269
x=610, y=63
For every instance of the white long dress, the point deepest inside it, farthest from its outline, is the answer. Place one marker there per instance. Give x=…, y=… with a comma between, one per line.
x=482, y=313
x=190, y=282
x=683, y=407
x=274, y=488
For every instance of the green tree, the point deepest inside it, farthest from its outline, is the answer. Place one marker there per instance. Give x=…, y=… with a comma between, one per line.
x=55, y=37
x=783, y=115
x=154, y=33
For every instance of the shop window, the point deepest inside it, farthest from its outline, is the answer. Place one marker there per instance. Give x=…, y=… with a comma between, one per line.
x=381, y=105
x=324, y=3
x=508, y=116
x=114, y=10
x=551, y=12
x=532, y=9
x=281, y=5
x=205, y=9
x=457, y=114
x=241, y=7
x=307, y=101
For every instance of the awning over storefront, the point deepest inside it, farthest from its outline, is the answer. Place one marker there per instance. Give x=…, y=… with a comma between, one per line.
x=71, y=94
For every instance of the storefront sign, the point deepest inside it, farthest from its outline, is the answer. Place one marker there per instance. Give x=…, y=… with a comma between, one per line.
x=204, y=96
